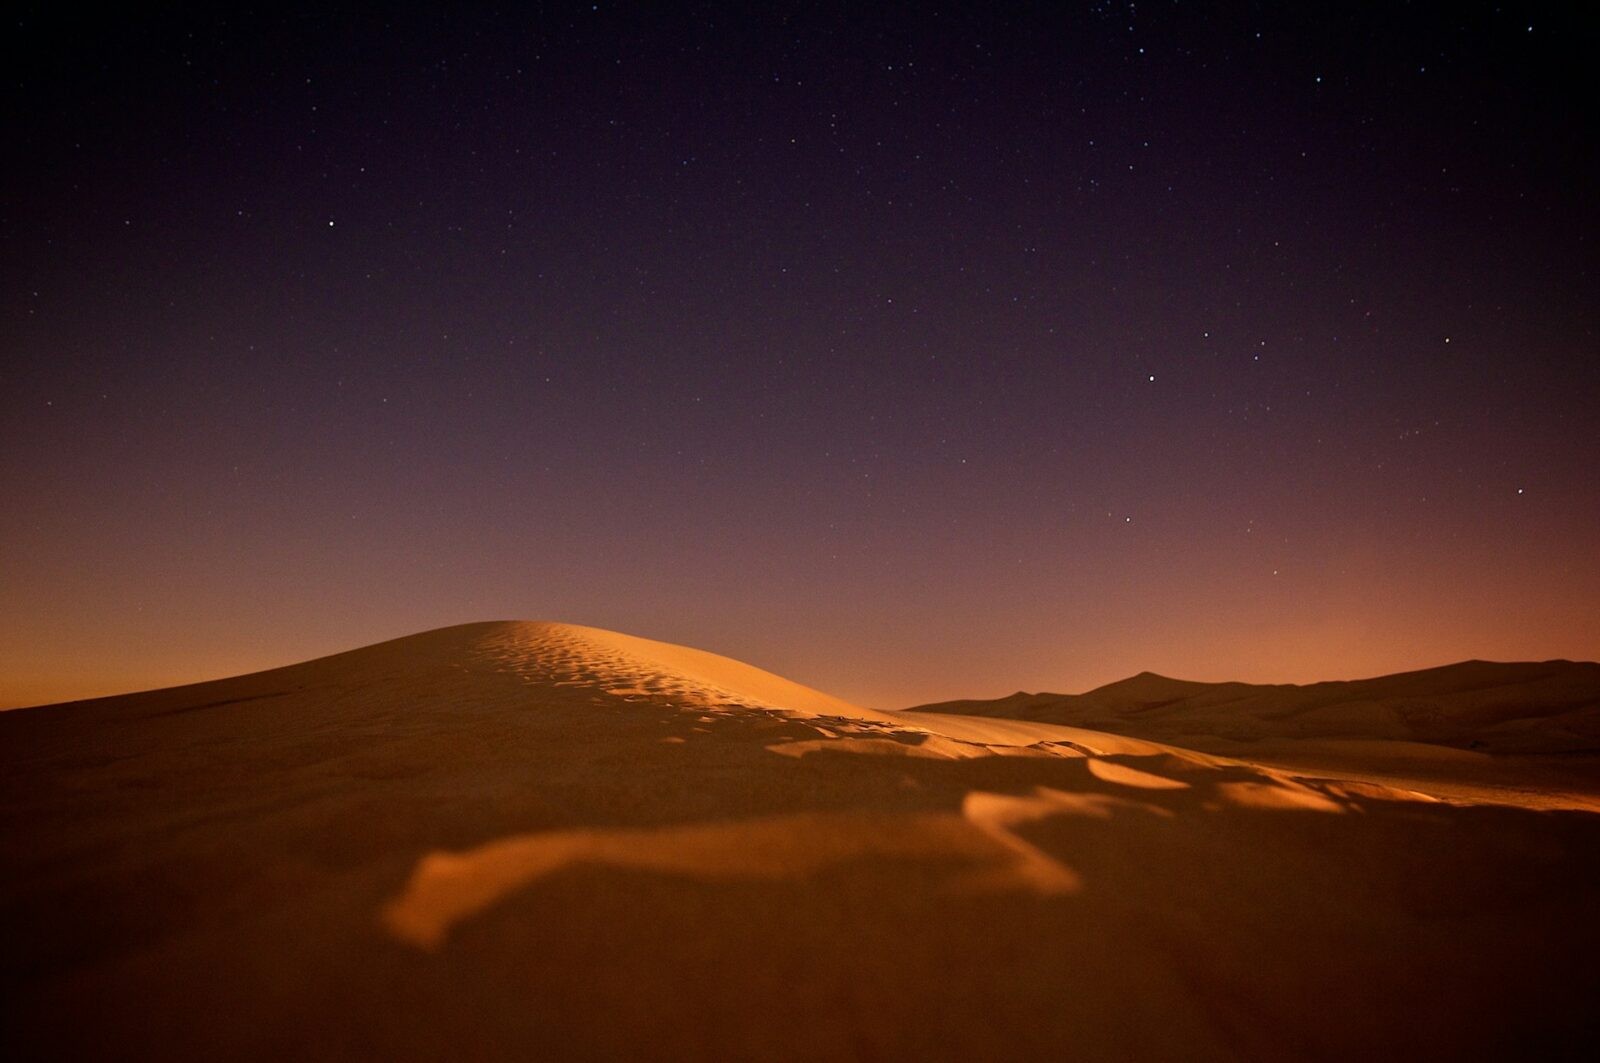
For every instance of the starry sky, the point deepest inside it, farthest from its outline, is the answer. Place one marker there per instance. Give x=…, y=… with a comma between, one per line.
x=913, y=352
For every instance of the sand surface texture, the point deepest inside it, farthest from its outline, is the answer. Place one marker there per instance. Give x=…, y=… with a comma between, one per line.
x=528, y=840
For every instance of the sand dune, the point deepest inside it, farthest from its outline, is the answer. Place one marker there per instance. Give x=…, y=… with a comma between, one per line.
x=1522, y=733
x=513, y=840
x=1548, y=707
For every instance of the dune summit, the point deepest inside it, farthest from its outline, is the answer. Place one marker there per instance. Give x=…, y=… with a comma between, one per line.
x=509, y=839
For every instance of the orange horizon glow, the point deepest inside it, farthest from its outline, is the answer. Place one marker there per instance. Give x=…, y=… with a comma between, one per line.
x=963, y=666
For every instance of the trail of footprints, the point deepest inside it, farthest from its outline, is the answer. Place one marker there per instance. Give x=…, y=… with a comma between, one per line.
x=559, y=656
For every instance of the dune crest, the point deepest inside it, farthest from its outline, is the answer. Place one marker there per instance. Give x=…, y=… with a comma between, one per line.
x=628, y=666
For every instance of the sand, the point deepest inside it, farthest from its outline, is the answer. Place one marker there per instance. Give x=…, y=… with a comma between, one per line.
x=1547, y=707
x=515, y=840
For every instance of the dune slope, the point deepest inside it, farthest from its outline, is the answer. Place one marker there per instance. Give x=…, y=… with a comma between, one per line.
x=514, y=840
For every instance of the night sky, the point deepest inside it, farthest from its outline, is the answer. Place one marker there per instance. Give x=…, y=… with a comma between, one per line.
x=914, y=354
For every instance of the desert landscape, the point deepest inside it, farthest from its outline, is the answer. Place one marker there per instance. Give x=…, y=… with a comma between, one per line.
x=534, y=840
x=1101, y=499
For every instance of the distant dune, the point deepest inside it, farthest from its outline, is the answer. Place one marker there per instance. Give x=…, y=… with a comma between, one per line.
x=528, y=840
x=1546, y=707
